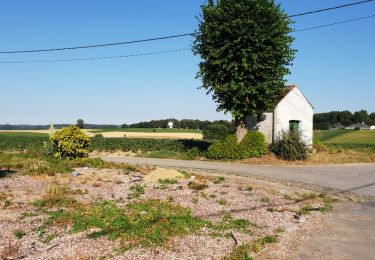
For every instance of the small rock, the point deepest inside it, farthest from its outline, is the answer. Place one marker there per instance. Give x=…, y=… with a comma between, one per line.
x=75, y=174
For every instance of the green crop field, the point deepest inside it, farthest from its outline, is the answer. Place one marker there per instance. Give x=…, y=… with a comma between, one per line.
x=27, y=134
x=147, y=130
x=346, y=137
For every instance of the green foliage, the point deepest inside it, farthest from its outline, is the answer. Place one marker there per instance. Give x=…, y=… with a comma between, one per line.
x=245, y=47
x=149, y=145
x=243, y=251
x=70, y=142
x=146, y=223
x=194, y=185
x=252, y=145
x=290, y=147
x=22, y=142
x=36, y=163
x=136, y=191
x=19, y=234
x=216, y=132
x=80, y=123
x=167, y=181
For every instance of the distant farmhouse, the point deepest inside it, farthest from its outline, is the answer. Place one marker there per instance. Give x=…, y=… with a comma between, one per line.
x=293, y=112
x=358, y=126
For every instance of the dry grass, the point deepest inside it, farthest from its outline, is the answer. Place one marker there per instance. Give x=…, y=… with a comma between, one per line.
x=322, y=157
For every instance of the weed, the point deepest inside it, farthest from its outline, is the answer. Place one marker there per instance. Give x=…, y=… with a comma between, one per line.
x=222, y=201
x=195, y=200
x=305, y=210
x=271, y=210
x=266, y=200
x=197, y=186
x=280, y=230
x=243, y=251
x=170, y=199
x=19, y=234
x=56, y=196
x=27, y=214
x=218, y=180
x=167, y=181
x=204, y=195
x=137, y=191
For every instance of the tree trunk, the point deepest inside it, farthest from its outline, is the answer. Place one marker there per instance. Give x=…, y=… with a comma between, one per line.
x=241, y=130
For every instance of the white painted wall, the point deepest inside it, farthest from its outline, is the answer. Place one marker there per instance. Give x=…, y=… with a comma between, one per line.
x=265, y=126
x=294, y=106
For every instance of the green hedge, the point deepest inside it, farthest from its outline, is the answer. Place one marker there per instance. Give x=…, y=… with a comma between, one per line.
x=253, y=145
x=20, y=143
x=147, y=145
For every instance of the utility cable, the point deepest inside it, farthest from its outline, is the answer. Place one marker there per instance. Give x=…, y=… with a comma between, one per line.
x=165, y=37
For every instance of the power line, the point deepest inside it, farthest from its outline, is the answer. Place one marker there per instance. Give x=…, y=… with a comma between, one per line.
x=336, y=23
x=167, y=51
x=163, y=37
x=97, y=58
x=331, y=8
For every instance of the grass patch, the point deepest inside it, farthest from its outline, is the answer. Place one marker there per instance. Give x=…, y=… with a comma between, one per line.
x=19, y=234
x=243, y=252
x=136, y=191
x=34, y=163
x=167, y=181
x=57, y=196
x=145, y=223
x=197, y=185
x=218, y=180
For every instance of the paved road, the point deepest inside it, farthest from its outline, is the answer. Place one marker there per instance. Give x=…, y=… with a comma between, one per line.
x=356, y=178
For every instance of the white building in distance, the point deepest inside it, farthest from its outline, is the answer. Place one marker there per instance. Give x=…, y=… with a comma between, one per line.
x=293, y=112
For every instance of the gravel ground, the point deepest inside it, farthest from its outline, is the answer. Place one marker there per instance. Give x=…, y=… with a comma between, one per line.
x=268, y=209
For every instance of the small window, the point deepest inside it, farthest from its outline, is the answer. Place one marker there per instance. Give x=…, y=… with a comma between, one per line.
x=294, y=126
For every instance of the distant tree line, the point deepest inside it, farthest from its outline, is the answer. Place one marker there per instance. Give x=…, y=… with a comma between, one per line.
x=324, y=121
x=181, y=124
x=57, y=126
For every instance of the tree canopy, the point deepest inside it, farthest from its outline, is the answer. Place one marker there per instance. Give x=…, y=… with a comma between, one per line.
x=245, y=47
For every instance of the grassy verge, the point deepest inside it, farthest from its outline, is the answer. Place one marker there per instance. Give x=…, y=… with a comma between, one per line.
x=35, y=163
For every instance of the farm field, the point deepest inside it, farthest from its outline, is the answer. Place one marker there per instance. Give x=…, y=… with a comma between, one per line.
x=356, y=137
x=147, y=130
x=132, y=133
x=363, y=141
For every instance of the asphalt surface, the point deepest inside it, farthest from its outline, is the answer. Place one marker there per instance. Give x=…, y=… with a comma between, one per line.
x=354, y=178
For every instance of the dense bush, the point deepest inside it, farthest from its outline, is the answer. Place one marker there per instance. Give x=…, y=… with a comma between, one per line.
x=70, y=142
x=224, y=149
x=290, y=147
x=253, y=145
x=216, y=132
x=148, y=145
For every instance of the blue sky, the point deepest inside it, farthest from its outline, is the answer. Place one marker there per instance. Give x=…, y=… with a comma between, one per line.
x=335, y=66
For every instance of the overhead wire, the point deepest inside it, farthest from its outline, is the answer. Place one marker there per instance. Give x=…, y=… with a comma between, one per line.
x=166, y=51
x=166, y=37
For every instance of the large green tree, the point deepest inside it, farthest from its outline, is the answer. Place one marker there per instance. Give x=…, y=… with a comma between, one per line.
x=245, y=47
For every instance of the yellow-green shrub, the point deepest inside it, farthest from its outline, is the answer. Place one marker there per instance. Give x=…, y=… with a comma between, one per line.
x=70, y=142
